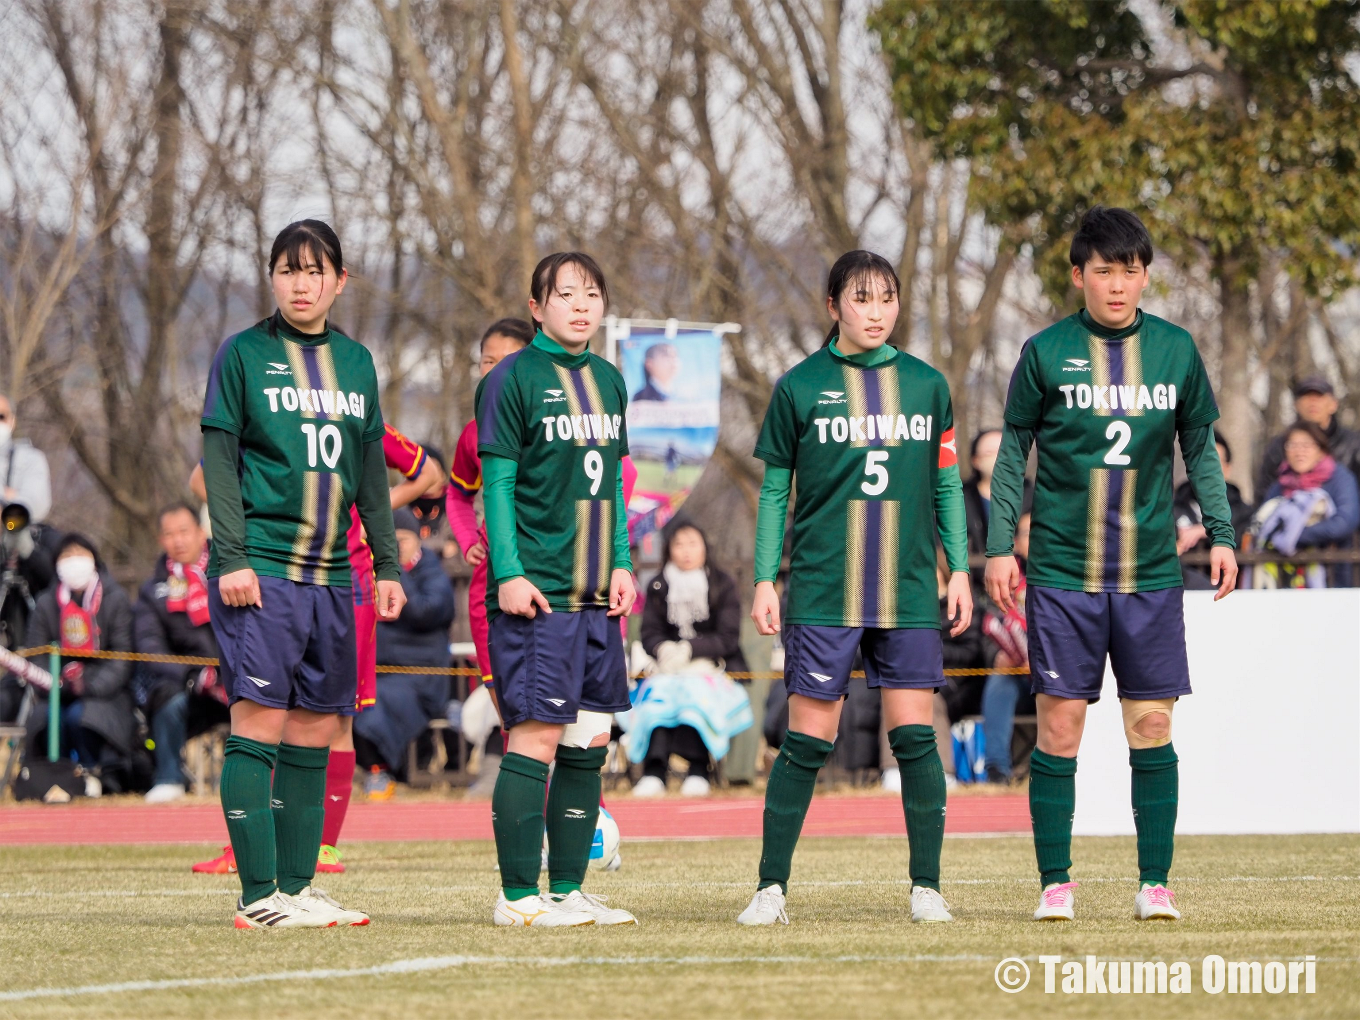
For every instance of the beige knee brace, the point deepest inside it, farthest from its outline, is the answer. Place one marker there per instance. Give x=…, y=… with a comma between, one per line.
x=587, y=727
x=1136, y=711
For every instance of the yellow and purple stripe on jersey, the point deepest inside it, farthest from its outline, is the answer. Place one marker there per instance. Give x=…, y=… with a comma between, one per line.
x=593, y=554
x=871, y=525
x=322, y=520
x=1111, y=521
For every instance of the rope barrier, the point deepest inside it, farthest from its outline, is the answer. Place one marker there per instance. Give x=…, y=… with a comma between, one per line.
x=198, y=660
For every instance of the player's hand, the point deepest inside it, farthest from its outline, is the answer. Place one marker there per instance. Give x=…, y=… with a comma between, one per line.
x=622, y=592
x=765, y=609
x=240, y=588
x=1222, y=570
x=958, y=599
x=519, y=597
x=1002, y=579
x=389, y=598
x=474, y=556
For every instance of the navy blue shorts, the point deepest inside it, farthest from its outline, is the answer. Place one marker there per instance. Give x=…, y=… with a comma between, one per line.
x=1071, y=633
x=818, y=658
x=551, y=667
x=296, y=652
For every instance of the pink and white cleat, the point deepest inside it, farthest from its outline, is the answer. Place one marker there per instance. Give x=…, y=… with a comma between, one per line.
x=1155, y=902
x=1055, y=902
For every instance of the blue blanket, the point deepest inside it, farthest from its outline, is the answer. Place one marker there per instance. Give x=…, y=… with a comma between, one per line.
x=713, y=704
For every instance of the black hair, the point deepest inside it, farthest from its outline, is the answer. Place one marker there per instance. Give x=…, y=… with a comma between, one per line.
x=74, y=539
x=514, y=329
x=306, y=237
x=544, y=282
x=676, y=526
x=178, y=506
x=858, y=269
x=434, y=453
x=1116, y=235
x=1220, y=440
x=972, y=449
x=1313, y=431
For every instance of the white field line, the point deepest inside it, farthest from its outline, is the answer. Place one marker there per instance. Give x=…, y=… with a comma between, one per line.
x=626, y=885
x=436, y=963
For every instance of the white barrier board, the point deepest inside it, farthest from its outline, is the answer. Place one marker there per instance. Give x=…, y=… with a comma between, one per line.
x=1270, y=740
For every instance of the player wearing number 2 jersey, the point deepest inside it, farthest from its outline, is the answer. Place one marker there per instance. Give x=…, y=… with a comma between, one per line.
x=869, y=432
x=1105, y=394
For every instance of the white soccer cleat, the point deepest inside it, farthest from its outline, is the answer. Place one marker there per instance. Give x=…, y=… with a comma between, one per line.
x=695, y=786
x=318, y=902
x=767, y=907
x=649, y=786
x=537, y=912
x=164, y=793
x=1055, y=902
x=928, y=905
x=1155, y=902
x=279, y=910
x=582, y=902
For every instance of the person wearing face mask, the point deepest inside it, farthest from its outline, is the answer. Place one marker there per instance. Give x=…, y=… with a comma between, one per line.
x=86, y=611
x=23, y=468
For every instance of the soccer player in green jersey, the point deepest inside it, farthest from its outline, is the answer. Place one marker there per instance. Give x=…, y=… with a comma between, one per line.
x=292, y=438
x=1105, y=394
x=869, y=432
x=551, y=432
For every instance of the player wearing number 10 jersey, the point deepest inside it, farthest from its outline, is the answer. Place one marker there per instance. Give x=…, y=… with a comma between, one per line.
x=1105, y=394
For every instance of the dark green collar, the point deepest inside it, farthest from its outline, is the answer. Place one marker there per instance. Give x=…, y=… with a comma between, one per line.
x=867, y=359
x=557, y=352
x=1104, y=332
x=281, y=326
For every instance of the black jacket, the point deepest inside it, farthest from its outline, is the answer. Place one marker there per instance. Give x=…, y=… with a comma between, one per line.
x=978, y=519
x=1345, y=445
x=108, y=695
x=157, y=631
x=420, y=636
x=1187, y=514
x=717, y=638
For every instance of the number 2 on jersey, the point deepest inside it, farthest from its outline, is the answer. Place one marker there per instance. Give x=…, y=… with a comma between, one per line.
x=328, y=441
x=873, y=467
x=1121, y=433
x=594, y=468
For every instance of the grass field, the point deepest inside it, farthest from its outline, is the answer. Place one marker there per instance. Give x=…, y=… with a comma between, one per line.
x=79, y=917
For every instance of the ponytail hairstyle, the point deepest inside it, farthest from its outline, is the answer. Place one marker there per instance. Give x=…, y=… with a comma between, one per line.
x=309, y=237
x=857, y=271
x=515, y=329
x=544, y=282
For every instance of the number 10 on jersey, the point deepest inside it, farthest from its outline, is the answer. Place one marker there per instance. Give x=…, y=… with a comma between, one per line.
x=327, y=441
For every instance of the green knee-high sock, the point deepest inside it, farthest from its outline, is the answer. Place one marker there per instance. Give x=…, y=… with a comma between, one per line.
x=1052, y=800
x=517, y=819
x=573, y=810
x=1156, y=791
x=244, y=786
x=299, y=813
x=793, y=777
x=923, y=796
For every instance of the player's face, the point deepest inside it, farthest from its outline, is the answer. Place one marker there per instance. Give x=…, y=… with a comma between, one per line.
x=1113, y=290
x=305, y=295
x=181, y=537
x=572, y=312
x=495, y=348
x=867, y=312
x=687, y=549
x=1302, y=452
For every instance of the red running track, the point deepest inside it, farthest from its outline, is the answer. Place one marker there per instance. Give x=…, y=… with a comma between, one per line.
x=449, y=820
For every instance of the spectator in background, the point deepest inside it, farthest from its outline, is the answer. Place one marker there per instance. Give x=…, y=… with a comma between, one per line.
x=1319, y=500
x=87, y=611
x=419, y=637
x=977, y=492
x=171, y=618
x=1314, y=401
x=961, y=695
x=1190, y=533
x=23, y=468
x=1006, y=694
x=692, y=611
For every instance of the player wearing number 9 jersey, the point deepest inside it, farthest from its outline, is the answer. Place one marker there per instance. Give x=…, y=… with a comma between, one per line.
x=1105, y=394
x=869, y=432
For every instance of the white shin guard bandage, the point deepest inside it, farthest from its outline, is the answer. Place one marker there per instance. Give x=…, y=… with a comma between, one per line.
x=586, y=728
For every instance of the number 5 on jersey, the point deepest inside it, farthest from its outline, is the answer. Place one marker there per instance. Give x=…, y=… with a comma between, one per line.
x=873, y=467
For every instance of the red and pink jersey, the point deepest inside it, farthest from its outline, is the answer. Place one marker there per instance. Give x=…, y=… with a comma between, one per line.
x=408, y=457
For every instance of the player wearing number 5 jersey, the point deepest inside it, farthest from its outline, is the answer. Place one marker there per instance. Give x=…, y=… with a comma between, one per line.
x=551, y=433
x=1105, y=394
x=292, y=438
x=869, y=432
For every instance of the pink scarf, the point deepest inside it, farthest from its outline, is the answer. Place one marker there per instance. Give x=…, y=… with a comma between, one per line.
x=1292, y=481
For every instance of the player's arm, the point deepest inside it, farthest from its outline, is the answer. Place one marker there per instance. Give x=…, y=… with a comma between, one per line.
x=1195, y=416
x=375, y=514
x=952, y=522
x=429, y=481
x=1008, y=490
x=771, y=519
x=622, y=591
x=237, y=584
x=517, y=594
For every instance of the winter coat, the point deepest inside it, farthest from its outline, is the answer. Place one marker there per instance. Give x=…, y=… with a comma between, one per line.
x=1345, y=444
x=1338, y=529
x=420, y=635
x=717, y=638
x=157, y=631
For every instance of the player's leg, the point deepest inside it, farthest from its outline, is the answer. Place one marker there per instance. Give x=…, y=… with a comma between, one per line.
x=817, y=662
x=1147, y=653
x=1069, y=634
x=340, y=767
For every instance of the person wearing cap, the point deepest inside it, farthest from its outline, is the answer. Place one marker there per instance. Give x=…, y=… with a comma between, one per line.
x=419, y=637
x=1314, y=401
